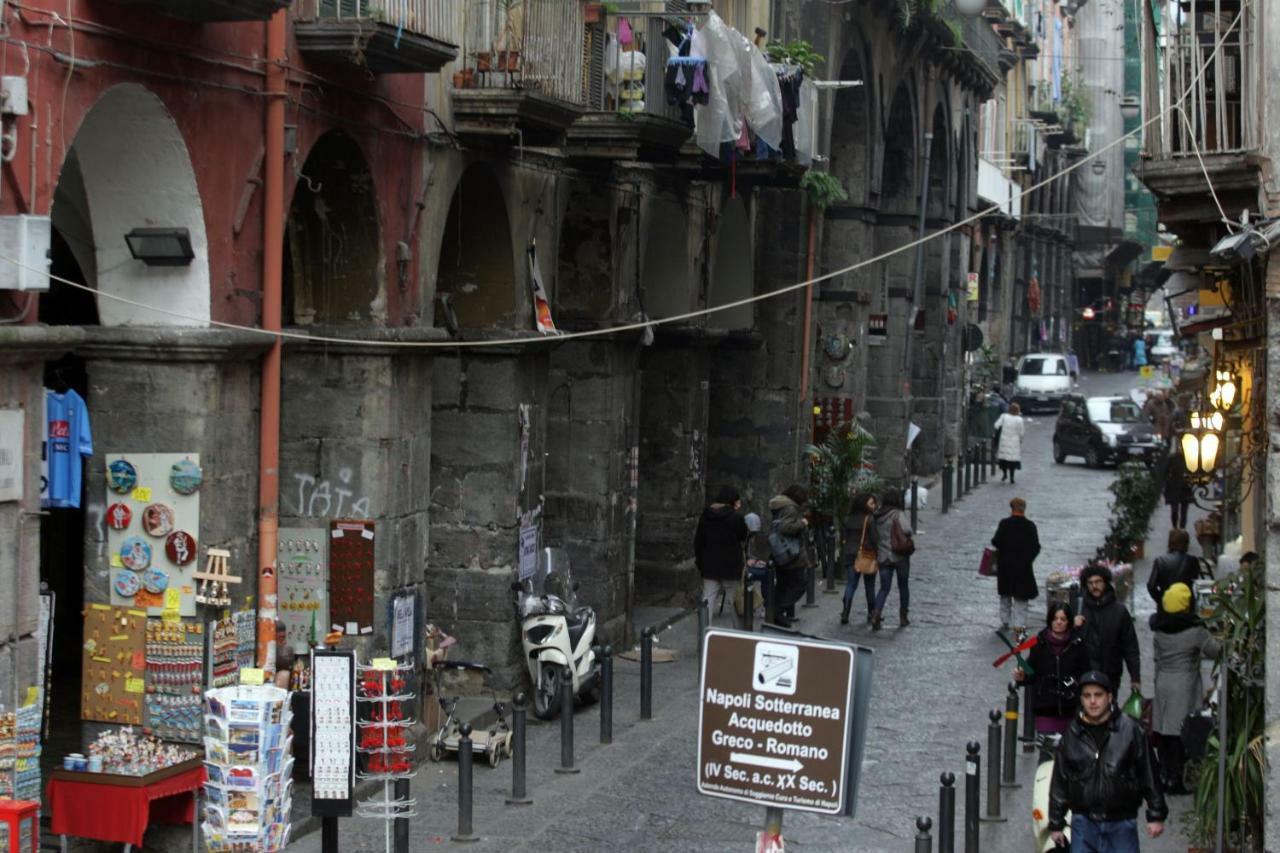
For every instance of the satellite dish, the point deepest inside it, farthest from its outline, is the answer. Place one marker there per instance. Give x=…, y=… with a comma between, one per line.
x=972, y=337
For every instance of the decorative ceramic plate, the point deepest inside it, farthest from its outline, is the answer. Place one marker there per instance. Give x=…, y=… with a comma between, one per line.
x=180, y=547
x=158, y=519
x=126, y=583
x=135, y=553
x=121, y=476
x=155, y=581
x=118, y=516
x=185, y=477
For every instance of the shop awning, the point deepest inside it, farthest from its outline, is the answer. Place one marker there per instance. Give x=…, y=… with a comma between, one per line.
x=1124, y=253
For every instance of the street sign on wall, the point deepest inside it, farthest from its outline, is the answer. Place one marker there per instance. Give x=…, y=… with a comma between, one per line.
x=778, y=720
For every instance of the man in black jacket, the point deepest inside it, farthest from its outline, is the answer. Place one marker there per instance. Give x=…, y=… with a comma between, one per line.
x=1177, y=566
x=717, y=549
x=1101, y=774
x=1109, y=634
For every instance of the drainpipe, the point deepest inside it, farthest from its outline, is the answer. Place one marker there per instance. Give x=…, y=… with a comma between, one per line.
x=808, y=303
x=917, y=297
x=272, y=265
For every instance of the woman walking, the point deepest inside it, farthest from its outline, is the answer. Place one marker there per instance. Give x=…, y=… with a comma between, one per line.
x=1178, y=641
x=1017, y=544
x=1011, y=428
x=1057, y=661
x=859, y=533
x=894, y=555
x=1177, y=491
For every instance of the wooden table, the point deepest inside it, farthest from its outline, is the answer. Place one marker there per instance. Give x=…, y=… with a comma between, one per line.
x=114, y=808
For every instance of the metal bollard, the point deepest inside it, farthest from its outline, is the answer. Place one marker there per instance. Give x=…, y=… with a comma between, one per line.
x=972, y=781
x=946, y=487
x=968, y=470
x=519, y=722
x=993, y=769
x=959, y=490
x=924, y=841
x=982, y=463
x=328, y=835
x=704, y=621
x=465, y=759
x=810, y=586
x=915, y=504
x=566, y=723
x=1010, y=779
x=1028, y=723
x=947, y=813
x=606, y=695
x=646, y=674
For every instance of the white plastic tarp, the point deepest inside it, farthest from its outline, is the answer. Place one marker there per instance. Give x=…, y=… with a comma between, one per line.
x=742, y=88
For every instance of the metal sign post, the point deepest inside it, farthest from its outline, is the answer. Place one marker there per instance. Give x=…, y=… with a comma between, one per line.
x=782, y=721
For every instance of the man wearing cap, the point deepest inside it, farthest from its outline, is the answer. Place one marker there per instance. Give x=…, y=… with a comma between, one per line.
x=1102, y=774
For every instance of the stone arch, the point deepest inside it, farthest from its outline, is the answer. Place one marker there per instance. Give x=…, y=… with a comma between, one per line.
x=666, y=273
x=476, y=271
x=334, y=265
x=127, y=167
x=898, y=182
x=940, y=171
x=733, y=275
x=851, y=126
x=584, y=267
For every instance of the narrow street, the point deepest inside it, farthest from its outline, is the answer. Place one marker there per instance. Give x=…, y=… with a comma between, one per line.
x=934, y=686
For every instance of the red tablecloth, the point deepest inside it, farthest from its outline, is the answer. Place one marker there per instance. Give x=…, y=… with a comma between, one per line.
x=118, y=813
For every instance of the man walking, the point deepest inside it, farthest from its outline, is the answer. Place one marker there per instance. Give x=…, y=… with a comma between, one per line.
x=1017, y=544
x=718, y=548
x=1109, y=634
x=1102, y=774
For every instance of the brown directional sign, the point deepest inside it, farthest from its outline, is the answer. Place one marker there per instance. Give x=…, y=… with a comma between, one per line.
x=774, y=720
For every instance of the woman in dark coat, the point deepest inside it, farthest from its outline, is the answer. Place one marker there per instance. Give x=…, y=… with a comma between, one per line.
x=1017, y=544
x=1058, y=660
x=1177, y=491
x=861, y=517
x=718, y=548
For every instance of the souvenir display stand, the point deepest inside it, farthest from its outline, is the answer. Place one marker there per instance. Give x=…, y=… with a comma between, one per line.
x=333, y=684
x=175, y=674
x=384, y=741
x=249, y=790
x=20, y=753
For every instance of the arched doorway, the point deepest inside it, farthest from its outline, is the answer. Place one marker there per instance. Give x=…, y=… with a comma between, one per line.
x=851, y=128
x=734, y=270
x=939, y=166
x=127, y=168
x=334, y=266
x=476, y=276
x=665, y=279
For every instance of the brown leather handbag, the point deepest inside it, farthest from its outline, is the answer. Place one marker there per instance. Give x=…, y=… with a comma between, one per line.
x=865, y=563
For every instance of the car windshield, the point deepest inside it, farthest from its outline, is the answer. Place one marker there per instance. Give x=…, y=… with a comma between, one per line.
x=1043, y=367
x=1114, y=412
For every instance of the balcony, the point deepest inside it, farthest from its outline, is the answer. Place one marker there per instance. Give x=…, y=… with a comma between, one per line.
x=214, y=11
x=628, y=117
x=384, y=36
x=524, y=73
x=1211, y=121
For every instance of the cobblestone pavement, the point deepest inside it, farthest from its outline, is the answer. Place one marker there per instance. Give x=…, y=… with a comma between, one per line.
x=933, y=687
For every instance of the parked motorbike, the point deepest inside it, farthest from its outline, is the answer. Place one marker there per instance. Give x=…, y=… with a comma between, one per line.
x=557, y=634
x=1044, y=842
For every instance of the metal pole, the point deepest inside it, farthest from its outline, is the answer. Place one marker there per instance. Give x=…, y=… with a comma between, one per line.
x=968, y=470
x=993, y=769
x=704, y=622
x=972, y=781
x=465, y=759
x=924, y=841
x=401, y=828
x=915, y=504
x=328, y=834
x=946, y=487
x=1223, y=684
x=748, y=603
x=606, y=695
x=519, y=721
x=810, y=587
x=646, y=674
x=773, y=822
x=982, y=463
x=829, y=558
x=960, y=478
x=947, y=813
x=1028, y=723
x=1010, y=779
x=566, y=723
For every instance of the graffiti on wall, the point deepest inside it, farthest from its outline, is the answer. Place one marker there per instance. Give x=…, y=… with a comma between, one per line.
x=327, y=499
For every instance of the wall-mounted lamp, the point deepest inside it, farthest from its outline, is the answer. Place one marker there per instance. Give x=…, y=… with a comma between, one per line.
x=161, y=247
x=970, y=8
x=1200, y=444
x=1225, y=389
x=1098, y=167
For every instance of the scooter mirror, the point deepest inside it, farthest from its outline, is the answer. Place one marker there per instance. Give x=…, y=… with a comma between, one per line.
x=515, y=586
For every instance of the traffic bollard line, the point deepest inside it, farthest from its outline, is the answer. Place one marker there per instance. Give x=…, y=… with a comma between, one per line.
x=566, y=723
x=466, y=759
x=993, y=769
x=519, y=724
x=924, y=841
x=606, y=695
x=1010, y=774
x=972, y=782
x=947, y=813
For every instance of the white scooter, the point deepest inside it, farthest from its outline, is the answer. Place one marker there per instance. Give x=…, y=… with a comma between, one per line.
x=556, y=633
x=1040, y=797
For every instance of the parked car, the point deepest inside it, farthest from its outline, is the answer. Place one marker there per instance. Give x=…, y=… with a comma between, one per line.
x=1043, y=381
x=1104, y=429
x=1164, y=346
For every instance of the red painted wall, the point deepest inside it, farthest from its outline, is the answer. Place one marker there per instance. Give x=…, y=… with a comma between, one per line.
x=210, y=78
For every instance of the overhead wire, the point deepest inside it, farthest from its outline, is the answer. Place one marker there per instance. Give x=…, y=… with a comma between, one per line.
x=649, y=323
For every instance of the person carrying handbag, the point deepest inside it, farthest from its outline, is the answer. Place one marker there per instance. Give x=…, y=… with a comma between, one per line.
x=787, y=550
x=893, y=552
x=858, y=554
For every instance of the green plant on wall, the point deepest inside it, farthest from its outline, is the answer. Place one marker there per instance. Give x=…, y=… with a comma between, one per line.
x=1238, y=603
x=838, y=469
x=909, y=13
x=798, y=52
x=823, y=189
x=1073, y=101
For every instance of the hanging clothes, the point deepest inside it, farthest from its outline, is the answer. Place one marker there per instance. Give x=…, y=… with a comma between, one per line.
x=68, y=442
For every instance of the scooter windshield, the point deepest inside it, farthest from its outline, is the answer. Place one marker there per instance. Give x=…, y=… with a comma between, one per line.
x=550, y=587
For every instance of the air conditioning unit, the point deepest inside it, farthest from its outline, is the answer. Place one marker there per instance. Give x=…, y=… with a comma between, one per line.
x=24, y=252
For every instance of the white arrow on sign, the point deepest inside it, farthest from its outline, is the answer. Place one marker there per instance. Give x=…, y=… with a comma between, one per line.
x=764, y=761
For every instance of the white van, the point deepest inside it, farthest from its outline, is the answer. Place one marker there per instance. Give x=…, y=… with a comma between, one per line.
x=1043, y=380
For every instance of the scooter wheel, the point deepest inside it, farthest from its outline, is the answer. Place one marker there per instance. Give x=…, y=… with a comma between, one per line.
x=437, y=752
x=495, y=755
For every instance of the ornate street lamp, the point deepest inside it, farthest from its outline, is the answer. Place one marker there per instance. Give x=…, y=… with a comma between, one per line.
x=1225, y=388
x=1200, y=444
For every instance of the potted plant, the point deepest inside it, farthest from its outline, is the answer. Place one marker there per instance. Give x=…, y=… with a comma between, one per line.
x=839, y=468
x=1135, y=499
x=593, y=13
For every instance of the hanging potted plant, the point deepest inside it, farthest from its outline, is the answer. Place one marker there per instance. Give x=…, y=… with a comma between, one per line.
x=506, y=50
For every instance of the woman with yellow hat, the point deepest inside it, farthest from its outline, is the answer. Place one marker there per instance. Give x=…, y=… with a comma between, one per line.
x=1179, y=642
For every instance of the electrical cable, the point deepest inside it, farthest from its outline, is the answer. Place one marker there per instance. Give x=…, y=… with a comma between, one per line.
x=649, y=323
